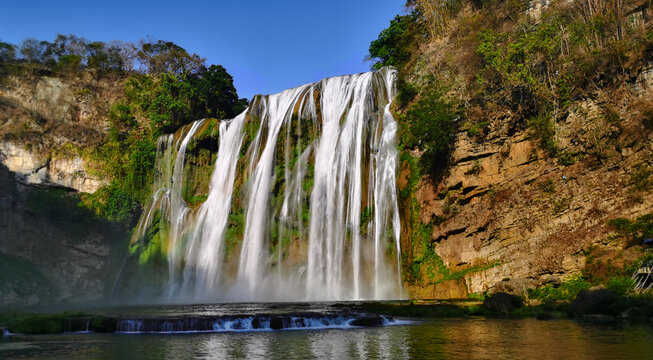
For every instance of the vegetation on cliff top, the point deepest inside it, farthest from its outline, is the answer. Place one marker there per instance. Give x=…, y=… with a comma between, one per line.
x=509, y=63
x=165, y=87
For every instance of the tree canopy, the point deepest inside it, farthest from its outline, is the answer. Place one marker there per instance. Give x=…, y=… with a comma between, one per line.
x=391, y=48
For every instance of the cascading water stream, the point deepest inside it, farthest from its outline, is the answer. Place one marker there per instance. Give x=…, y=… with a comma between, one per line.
x=337, y=164
x=179, y=211
x=204, y=254
x=276, y=110
x=305, y=182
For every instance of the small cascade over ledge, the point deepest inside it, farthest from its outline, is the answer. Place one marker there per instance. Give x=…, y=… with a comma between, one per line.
x=176, y=325
x=301, y=204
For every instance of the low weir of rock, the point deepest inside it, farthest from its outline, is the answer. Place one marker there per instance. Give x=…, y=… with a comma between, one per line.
x=248, y=323
x=210, y=324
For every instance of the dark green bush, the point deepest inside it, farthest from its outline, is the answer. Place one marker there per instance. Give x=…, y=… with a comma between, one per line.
x=37, y=324
x=601, y=301
x=637, y=230
x=103, y=324
x=406, y=92
x=113, y=203
x=432, y=124
x=70, y=63
x=621, y=284
x=543, y=129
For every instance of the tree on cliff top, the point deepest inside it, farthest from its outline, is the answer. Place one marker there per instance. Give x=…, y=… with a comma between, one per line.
x=7, y=52
x=392, y=48
x=165, y=56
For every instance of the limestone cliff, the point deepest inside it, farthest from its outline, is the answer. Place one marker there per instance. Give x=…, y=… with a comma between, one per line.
x=52, y=250
x=506, y=216
x=47, y=124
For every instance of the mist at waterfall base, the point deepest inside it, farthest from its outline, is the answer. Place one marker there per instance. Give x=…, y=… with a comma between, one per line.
x=301, y=205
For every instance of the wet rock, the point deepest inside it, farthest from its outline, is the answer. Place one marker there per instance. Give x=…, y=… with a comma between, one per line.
x=256, y=323
x=276, y=323
x=33, y=299
x=449, y=289
x=51, y=249
x=368, y=321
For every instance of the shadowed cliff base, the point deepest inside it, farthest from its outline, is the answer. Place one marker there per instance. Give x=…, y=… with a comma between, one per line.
x=51, y=249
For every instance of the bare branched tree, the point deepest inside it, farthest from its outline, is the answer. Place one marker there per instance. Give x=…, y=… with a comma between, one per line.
x=436, y=13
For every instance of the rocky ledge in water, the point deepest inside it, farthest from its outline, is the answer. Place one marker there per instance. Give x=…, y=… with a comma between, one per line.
x=81, y=323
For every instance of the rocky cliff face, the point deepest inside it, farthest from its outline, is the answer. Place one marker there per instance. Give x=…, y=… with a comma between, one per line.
x=47, y=123
x=51, y=250
x=36, y=168
x=507, y=216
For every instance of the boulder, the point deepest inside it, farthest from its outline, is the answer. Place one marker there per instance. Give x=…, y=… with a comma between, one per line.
x=518, y=287
x=502, y=302
x=276, y=323
x=551, y=280
x=368, y=321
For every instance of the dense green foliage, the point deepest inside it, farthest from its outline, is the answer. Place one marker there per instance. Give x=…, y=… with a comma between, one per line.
x=392, y=48
x=432, y=124
x=26, y=323
x=56, y=323
x=128, y=156
x=170, y=100
x=38, y=324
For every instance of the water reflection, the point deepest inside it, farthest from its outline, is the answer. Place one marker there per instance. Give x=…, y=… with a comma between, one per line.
x=381, y=343
x=432, y=339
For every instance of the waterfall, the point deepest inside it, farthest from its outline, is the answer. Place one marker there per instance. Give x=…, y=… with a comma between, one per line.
x=302, y=202
x=276, y=110
x=204, y=254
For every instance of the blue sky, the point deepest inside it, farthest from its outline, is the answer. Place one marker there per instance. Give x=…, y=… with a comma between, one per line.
x=267, y=46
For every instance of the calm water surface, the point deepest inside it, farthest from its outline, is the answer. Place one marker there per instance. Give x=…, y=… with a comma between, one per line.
x=474, y=338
